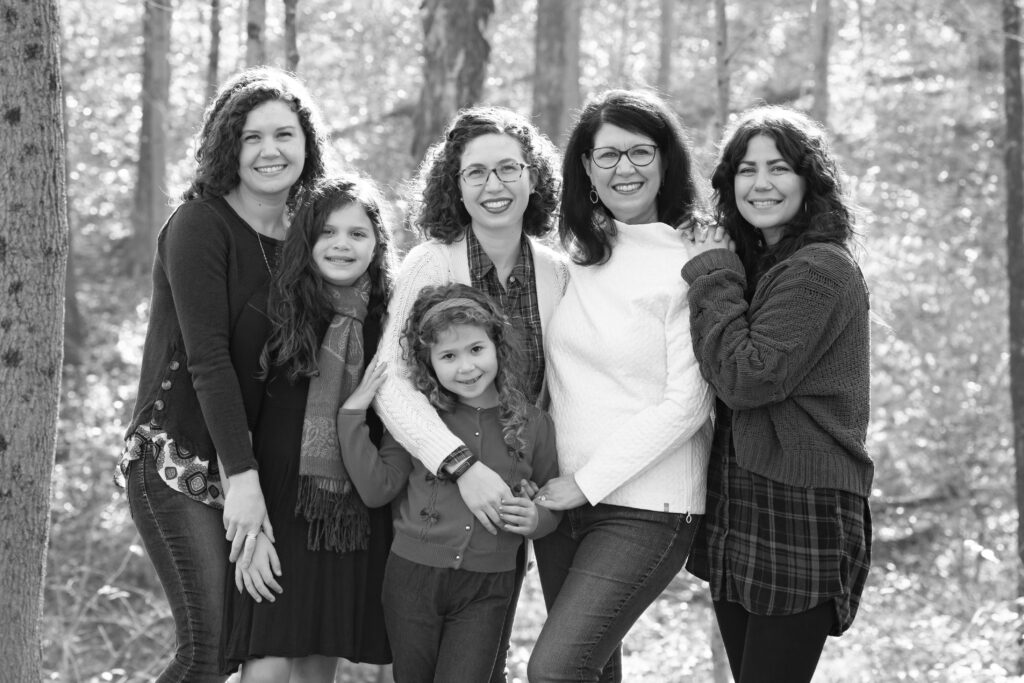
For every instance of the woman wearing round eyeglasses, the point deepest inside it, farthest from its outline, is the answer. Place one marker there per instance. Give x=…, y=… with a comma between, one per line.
x=631, y=410
x=487, y=190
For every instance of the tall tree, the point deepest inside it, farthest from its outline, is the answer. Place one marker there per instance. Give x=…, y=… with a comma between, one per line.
x=213, y=56
x=1014, y=103
x=666, y=35
x=455, y=54
x=33, y=258
x=821, y=14
x=291, y=46
x=556, y=80
x=150, y=202
x=721, y=63
x=255, y=28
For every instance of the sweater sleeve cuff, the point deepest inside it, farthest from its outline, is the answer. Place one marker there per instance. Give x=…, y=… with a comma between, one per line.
x=708, y=261
x=594, y=490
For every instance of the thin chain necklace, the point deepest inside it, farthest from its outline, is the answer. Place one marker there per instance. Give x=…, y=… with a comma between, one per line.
x=259, y=240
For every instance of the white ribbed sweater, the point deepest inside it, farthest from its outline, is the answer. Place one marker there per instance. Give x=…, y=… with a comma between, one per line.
x=632, y=413
x=406, y=412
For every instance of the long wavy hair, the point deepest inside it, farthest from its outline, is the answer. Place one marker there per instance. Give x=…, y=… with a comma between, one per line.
x=424, y=327
x=219, y=142
x=804, y=144
x=586, y=229
x=440, y=213
x=299, y=307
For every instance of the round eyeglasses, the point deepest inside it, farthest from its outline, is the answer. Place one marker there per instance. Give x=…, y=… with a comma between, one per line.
x=507, y=172
x=608, y=157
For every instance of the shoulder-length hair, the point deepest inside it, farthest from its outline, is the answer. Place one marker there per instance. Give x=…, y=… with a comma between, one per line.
x=299, y=307
x=440, y=212
x=803, y=143
x=465, y=305
x=586, y=228
x=219, y=142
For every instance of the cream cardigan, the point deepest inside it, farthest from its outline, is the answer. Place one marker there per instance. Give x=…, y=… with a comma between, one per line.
x=406, y=412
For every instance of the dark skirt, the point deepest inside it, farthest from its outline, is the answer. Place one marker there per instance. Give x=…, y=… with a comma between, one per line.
x=777, y=549
x=331, y=604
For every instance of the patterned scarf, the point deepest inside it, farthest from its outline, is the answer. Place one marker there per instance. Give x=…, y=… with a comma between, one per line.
x=337, y=516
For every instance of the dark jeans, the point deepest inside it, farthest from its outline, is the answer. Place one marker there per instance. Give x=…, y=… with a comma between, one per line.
x=498, y=675
x=783, y=649
x=600, y=570
x=185, y=542
x=444, y=625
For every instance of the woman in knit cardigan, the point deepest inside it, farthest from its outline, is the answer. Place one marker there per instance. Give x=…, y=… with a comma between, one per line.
x=631, y=411
x=487, y=193
x=781, y=331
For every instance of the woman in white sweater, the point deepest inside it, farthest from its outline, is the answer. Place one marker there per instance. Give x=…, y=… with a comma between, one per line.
x=631, y=410
x=489, y=191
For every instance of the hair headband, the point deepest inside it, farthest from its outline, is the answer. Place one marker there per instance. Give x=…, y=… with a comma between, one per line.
x=448, y=304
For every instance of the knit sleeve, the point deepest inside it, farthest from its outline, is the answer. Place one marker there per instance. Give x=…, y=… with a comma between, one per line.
x=378, y=475
x=407, y=413
x=196, y=252
x=754, y=355
x=649, y=435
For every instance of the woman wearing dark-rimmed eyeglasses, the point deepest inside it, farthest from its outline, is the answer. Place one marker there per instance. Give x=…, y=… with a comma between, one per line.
x=631, y=410
x=485, y=192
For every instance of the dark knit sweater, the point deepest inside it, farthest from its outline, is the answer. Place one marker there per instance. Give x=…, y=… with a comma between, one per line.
x=433, y=526
x=209, y=268
x=793, y=364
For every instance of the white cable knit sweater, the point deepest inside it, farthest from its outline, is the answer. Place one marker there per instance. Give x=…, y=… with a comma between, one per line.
x=406, y=412
x=632, y=413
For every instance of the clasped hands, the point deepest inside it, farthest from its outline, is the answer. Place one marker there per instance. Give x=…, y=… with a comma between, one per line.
x=702, y=237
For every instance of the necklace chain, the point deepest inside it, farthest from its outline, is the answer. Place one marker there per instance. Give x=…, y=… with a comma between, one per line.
x=259, y=240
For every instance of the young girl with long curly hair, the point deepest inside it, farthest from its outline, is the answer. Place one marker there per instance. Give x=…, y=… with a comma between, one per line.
x=314, y=595
x=449, y=583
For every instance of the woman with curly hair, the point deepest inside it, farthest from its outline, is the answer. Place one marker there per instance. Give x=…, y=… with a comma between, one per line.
x=449, y=584
x=488, y=193
x=260, y=145
x=632, y=412
x=313, y=595
x=781, y=331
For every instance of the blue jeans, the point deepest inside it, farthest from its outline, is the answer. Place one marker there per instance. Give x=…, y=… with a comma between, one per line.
x=185, y=542
x=600, y=570
x=444, y=624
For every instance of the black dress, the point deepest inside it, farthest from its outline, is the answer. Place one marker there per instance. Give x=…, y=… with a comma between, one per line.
x=331, y=604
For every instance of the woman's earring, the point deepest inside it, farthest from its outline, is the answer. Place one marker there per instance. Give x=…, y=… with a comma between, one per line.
x=594, y=199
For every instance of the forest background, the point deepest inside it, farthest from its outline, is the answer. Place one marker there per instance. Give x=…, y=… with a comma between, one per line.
x=915, y=107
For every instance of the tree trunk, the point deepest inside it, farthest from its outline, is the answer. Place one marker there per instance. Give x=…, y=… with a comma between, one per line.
x=822, y=31
x=1015, y=253
x=33, y=257
x=213, y=58
x=150, y=205
x=667, y=33
x=722, y=63
x=291, y=46
x=556, y=82
x=255, y=27
x=455, y=54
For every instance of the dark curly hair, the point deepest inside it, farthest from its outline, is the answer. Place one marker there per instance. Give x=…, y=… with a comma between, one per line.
x=423, y=328
x=440, y=213
x=803, y=143
x=299, y=307
x=219, y=142
x=586, y=229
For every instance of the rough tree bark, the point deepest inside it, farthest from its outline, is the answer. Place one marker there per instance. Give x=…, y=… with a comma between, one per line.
x=556, y=81
x=666, y=36
x=33, y=258
x=255, y=27
x=821, y=14
x=150, y=203
x=1014, y=103
x=213, y=56
x=291, y=46
x=721, y=64
x=455, y=54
